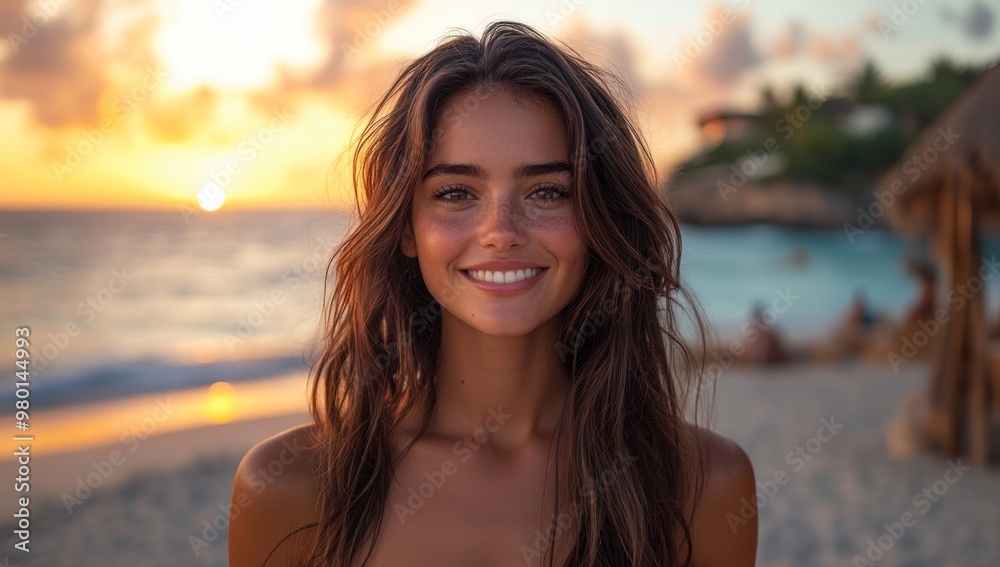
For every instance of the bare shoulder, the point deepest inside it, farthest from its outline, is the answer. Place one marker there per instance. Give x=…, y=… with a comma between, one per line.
x=274, y=493
x=724, y=522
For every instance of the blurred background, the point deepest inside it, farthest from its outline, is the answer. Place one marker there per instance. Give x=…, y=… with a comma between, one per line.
x=175, y=175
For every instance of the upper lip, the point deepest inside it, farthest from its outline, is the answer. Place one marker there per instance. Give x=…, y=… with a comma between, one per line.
x=504, y=266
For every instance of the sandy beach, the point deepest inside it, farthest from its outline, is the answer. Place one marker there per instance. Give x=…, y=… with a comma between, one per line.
x=829, y=492
x=142, y=511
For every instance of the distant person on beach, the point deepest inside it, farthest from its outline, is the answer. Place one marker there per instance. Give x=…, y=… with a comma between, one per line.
x=923, y=307
x=502, y=378
x=764, y=345
x=860, y=316
x=864, y=333
x=854, y=332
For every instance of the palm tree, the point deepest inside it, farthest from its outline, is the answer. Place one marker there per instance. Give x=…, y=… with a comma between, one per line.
x=869, y=86
x=768, y=99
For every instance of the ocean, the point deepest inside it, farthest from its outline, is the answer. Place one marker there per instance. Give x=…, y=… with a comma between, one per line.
x=122, y=303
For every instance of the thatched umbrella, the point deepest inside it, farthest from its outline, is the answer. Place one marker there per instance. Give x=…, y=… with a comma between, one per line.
x=948, y=184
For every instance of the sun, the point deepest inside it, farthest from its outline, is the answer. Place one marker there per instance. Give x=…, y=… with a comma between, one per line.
x=221, y=402
x=211, y=197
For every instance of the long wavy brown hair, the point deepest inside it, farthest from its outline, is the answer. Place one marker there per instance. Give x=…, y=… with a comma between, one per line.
x=632, y=340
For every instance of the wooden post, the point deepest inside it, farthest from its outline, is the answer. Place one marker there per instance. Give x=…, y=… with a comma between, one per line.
x=939, y=421
x=980, y=382
x=957, y=355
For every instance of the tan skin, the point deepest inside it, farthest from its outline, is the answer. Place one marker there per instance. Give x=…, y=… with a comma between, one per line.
x=497, y=373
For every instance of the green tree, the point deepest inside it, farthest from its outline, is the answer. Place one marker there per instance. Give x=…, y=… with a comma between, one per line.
x=868, y=87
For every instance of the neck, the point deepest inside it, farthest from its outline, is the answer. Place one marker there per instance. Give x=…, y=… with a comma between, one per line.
x=506, y=391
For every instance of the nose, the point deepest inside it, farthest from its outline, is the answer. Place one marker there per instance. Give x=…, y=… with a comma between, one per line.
x=503, y=223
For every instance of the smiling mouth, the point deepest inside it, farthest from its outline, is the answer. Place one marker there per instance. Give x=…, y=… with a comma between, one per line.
x=500, y=277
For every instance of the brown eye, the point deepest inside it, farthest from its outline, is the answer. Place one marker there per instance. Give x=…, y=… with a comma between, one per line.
x=442, y=193
x=555, y=191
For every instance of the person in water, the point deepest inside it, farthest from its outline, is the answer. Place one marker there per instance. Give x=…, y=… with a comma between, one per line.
x=503, y=379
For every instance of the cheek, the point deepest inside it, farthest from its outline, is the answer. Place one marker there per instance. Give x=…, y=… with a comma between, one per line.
x=440, y=237
x=560, y=232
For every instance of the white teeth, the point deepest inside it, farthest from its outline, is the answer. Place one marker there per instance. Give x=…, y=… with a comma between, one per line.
x=503, y=277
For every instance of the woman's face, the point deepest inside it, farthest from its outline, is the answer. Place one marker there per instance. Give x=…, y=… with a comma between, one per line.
x=494, y=203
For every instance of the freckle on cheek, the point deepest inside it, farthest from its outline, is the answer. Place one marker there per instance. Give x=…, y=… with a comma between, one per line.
x=447, y=229
x=561, y=225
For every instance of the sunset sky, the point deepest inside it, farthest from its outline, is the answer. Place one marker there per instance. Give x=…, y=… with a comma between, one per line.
x=141, y=104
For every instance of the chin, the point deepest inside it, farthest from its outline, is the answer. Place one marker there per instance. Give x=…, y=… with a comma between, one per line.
x=504, y=330
x=502, y=326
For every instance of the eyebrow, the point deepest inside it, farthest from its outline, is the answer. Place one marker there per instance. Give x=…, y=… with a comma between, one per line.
x=520, y=172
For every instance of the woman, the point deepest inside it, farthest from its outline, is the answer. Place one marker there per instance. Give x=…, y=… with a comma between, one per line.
x=503, y=379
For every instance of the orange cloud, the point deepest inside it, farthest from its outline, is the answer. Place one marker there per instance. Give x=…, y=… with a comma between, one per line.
x=176, y=120
x=790, y=44
x=59, y=59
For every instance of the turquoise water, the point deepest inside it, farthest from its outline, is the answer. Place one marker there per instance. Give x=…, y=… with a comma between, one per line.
x=731, y=268
x=121, y=302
